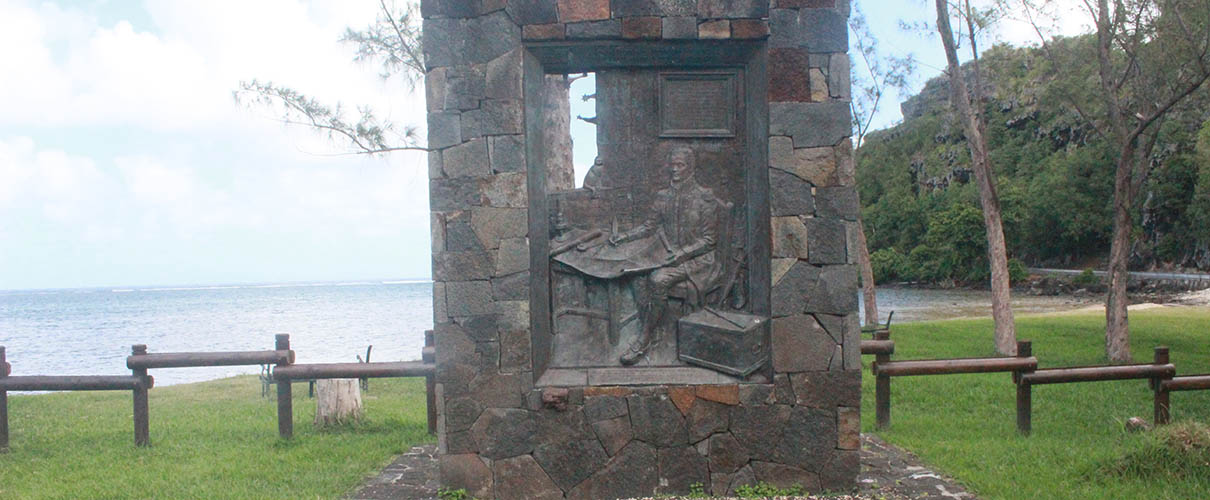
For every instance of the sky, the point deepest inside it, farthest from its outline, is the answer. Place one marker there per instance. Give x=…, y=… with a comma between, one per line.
x=125, y=161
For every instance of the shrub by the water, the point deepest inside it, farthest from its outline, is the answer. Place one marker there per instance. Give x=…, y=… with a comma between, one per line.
x=1086, y=278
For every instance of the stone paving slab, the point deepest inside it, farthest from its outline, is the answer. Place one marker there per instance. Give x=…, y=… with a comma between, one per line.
x=887, y=473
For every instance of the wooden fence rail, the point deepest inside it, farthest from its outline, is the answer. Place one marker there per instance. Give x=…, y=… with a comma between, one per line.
x=135, y=384
x=1025, y=374
x=1157, y=372
x=285, y=371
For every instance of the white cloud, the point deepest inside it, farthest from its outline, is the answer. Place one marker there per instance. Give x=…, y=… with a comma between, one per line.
x=123, y=139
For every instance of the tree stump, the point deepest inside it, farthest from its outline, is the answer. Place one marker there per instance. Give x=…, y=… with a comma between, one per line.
x=338, y=401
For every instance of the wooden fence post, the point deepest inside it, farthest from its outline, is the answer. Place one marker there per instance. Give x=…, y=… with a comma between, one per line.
x=142, y=417
x=285, y=395
x=5, y=369
x=882, y=386
x=1024, y=392
x=430, y=389
x=1162, y=414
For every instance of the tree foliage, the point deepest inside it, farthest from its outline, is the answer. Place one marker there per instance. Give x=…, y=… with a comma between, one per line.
x=1055, y=172
x=393, y=41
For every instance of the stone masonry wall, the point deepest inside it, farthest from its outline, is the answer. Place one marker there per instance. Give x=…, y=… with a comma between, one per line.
x=499, y=436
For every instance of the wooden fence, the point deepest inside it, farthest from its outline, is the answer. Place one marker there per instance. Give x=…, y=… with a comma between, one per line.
x=285, y=372
x=1160, y=373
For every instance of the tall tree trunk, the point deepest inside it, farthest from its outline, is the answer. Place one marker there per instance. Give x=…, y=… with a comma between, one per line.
x=868, y=295
x=1117, y=325
x=1117, y=331
x=1002, y=313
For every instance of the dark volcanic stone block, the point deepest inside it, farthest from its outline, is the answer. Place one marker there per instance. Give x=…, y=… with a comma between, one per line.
x=641, y=28
x=783, y=476
x=494, y=117
x=783, y=29
x=445, y=42
x=479, y=328
x=634, y=472
x=468, y=298
x=614, y=433
x=515, y=351
x=511, y=287
x=562, y=426
x=756, y=394
x=604, y=407
x=468, y=159
x=749, y=29
x=521, y=478
x=759, y=428
x=679, y=469
x=800, y=344
x=466, y=471
x=826, y=29
x=836, y=291
x=503, y=433
x=454, y=194
x=450, y=8
x=444, y=130
x=459, y=237
x=788, y=81
x=720, y=29
x=808, y=440
x=790, y=195
x=680, y=28
x=783, y=392
x=840, y=473
x=533, y=11
x=838, y=202
x=726, y=454
x=569, y=463
x=507, y=153
x=661, y=8
x=656, y=420
x=828, y=243
x=462, y=266
x=733, y=8
x=461, y=414
x=790, y=294
x=583, y=10
x=592, y=30
x=491, y=36
x=827, y=390
x=813, y=124
x=706, y=418
x=460, y=442
x=540, y=32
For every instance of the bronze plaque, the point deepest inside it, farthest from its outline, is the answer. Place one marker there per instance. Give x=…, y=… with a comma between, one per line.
x=698, y=104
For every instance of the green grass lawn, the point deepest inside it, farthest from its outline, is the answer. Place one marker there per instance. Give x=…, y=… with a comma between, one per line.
x=219, y=439
x=209, y=440
x=965, y=425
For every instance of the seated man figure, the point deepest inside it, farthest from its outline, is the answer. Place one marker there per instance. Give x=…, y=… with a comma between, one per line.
x=685, y=217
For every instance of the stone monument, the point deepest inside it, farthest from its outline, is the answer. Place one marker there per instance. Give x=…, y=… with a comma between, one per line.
x=688, y=316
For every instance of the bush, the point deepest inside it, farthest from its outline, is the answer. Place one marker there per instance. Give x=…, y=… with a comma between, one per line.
x=1086, y=278
x=889, y=265
x=1017, y=271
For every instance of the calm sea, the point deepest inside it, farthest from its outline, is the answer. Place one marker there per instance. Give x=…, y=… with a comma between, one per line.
x=90, y=331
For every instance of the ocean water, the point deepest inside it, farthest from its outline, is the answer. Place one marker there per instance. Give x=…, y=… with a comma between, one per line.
x=90, y=331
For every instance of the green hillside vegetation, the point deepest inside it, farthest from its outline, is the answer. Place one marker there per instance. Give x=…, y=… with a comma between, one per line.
x=1054, y=174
